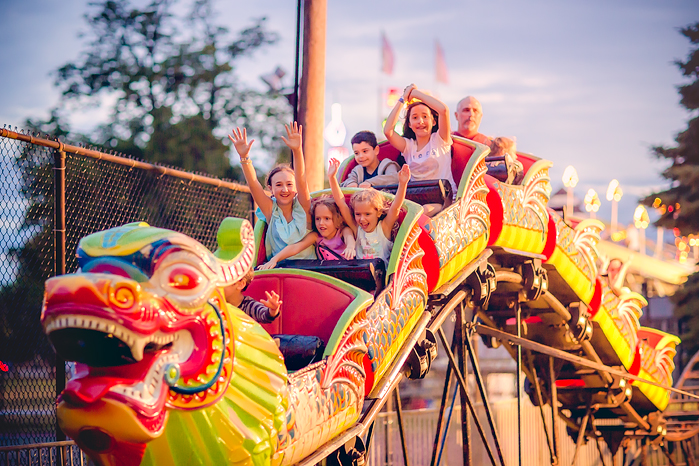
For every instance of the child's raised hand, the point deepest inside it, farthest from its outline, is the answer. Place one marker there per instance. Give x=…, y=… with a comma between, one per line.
x=333, y=166
x=272, y=302
x=404, y=175
x=240, y=141
x=294, y=133
x=407, y=91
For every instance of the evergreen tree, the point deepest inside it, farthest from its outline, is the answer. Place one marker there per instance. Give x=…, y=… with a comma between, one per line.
x=683, y=174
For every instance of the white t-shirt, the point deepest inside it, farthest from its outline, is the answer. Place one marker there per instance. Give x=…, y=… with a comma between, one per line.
x=432, y=162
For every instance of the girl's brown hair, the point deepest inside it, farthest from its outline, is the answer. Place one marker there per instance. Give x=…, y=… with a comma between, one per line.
x=328, y=202
x=282, y=167
x=373, y=197
x=407, y=130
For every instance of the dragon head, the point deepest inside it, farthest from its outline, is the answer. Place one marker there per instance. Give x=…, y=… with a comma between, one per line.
x=146, y=323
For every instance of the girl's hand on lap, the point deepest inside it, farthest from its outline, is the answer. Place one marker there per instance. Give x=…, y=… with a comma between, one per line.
x=351, y=185
x=350, y=252
x=365, y=184
x=240, y=141
x=294, y=133
x=404, y=174
x=269, y=265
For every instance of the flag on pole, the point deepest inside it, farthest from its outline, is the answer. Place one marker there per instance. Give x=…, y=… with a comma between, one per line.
x=386, y=55
x=440, y=64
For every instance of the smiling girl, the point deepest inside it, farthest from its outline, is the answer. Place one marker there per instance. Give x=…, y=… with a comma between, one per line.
x=426, y=141
x=369, y=218
x=332, y=238
x=287, y=211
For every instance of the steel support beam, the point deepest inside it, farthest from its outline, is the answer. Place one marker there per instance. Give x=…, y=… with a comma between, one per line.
x=460, y=377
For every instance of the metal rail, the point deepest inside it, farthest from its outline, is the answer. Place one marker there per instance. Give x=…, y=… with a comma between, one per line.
x=560, y=354
x=60, y=146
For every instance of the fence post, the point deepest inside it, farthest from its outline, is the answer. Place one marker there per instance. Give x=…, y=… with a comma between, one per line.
x=59, y=248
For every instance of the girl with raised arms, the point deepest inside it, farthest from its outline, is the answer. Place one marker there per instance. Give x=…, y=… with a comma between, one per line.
x=369, y=218
x=288, y=210
x=426, y=141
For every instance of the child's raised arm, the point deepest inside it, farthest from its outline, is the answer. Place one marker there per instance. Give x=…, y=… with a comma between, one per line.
x=290, y=250
x=394, y=210
x=294, y=141
x=441, y=109
x=397, y=140
x=242, y=146
x=339, y=197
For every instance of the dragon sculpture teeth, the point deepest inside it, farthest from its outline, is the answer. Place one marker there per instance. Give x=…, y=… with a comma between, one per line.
x=137, y=343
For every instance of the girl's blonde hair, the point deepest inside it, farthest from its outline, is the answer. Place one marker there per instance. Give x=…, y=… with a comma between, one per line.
x=328, y=202
x=373, y=197
x=502, y=146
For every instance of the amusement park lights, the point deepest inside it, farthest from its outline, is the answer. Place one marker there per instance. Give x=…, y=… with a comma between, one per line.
x=592, y=202
x=614, y=191
x=570, y=177
x=614, y=194
x=640, y=217
x=641, y=221
x=570, y=180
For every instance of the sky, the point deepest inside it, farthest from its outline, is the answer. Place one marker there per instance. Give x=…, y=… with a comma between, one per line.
x=585, y=83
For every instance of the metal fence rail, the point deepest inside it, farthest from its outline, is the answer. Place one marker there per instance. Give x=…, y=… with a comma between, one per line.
x=420, y=427
x=51, y=195
x=64, y=453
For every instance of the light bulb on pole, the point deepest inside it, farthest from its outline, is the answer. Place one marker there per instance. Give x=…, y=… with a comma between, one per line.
x=660, y=209
x=592, y=202
x=570, y=180
x=614, y=194
x=641, y=221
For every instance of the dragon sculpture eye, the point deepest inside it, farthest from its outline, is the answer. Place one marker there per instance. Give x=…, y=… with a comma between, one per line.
x=183, y=279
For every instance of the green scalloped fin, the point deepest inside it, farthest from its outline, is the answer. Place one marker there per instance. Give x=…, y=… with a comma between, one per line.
x=229, y=240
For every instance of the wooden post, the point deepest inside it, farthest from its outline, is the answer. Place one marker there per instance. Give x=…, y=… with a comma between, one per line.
x=312, y=91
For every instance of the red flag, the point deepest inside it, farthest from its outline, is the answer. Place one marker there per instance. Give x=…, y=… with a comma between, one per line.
x=386, y=55
x=440, y=64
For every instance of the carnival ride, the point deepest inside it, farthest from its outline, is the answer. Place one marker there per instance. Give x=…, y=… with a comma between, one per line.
x=168, y=373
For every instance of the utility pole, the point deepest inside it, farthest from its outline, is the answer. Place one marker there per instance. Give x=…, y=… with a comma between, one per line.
x=312, y=91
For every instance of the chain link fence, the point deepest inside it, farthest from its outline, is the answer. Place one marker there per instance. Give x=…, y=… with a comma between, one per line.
x=38, y=238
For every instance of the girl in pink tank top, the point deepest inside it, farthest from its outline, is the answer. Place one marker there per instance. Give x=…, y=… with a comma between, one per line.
x=332, y=238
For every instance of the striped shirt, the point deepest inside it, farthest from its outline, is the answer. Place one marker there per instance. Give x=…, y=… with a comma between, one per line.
x=258, y=311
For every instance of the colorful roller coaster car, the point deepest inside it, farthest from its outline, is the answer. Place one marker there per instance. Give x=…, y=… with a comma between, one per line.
x=168, y=373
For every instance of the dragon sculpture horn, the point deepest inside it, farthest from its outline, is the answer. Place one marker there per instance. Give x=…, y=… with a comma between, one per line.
x=236, y=249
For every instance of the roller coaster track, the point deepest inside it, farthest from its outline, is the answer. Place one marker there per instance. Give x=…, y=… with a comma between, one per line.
x=624, y=424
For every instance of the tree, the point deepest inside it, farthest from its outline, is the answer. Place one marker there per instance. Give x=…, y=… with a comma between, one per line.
x=175, y=95
x=682, y=197
x=173, y=83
